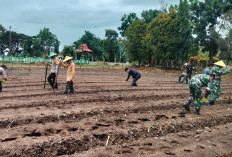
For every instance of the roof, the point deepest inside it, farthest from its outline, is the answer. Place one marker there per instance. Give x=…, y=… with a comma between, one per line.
x=83, y=47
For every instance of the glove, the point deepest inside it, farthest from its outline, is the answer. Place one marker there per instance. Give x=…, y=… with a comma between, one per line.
x=3, y=81
x=203, y=99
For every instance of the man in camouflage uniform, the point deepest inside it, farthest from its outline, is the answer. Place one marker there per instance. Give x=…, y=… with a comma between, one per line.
x=214, y=86
x=195, y=87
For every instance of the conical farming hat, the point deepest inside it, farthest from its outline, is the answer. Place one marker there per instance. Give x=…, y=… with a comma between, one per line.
x=52, y=54
x=220, y=63
x=67, y=58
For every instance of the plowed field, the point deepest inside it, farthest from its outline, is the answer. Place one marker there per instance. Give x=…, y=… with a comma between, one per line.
x=106, y=117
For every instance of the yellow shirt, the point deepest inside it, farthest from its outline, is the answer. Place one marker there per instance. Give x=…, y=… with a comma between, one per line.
x=71, y=72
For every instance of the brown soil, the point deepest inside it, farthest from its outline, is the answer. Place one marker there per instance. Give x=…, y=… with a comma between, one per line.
x=147, y=120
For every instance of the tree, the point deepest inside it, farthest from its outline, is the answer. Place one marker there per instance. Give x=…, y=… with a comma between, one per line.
x=110, y=45
x=205, y=15
x=3, y=44
x=149, y=15
x=45, y=42
x=68, y=51
x=94, y=43
x=135, y=34
x=126, y=21
x=164, y=38
x=188, y=45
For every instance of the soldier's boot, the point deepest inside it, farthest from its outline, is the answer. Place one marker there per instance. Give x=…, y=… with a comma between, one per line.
x=209, y=102
x=197, y=111
x=186, y=105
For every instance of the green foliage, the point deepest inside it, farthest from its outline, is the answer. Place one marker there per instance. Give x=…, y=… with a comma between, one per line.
x=204, y=17
x=93, y=43
x=135, y=34
x=111, y=48
x=149, y=15
x=46, y=56
x=68, y=51
x=164, y=38
x=126, y=21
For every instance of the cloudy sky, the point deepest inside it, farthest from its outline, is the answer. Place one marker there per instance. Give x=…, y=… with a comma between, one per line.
x=68, y=19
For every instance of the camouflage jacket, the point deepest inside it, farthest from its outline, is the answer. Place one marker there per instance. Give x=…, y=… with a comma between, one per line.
x=217, y=72
x=201, y=80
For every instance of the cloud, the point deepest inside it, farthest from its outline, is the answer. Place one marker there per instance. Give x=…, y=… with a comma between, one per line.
x=68, y=19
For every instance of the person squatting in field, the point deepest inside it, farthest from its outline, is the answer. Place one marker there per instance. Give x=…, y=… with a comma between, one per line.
x=54, y=68
x=215, y=85
x=189, y=70
x=70, y=74
x=3, y=69
x=184, y=72
x=135, y=75
x=195, y=87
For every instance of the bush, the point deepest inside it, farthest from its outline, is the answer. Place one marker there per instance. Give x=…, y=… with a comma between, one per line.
x=46, y=56
x=203, y=61
x=215, y=59
x=193, y=60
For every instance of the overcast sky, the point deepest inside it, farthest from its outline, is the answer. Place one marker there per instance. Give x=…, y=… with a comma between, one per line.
x=68, y=19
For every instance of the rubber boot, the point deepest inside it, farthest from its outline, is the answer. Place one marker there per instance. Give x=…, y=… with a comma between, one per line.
x=67, y=88
x=186, y=105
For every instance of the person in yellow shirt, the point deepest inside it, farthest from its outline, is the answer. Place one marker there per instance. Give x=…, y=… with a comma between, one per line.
x=70, y=74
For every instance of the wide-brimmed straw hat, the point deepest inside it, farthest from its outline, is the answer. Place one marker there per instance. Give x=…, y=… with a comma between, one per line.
x=52, y=54
x=67, y=58
x=220, y=63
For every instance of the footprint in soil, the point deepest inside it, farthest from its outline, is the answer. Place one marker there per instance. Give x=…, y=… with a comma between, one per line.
x=168, y=152
x=144, y=119
x=101, y=137
x=9, y=139
x=159, y=117
x=33, y=133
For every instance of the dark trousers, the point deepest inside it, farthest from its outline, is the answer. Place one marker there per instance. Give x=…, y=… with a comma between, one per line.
x=51, y=80
x=135, y=79
x=186, y=77
x=69, y=86
x=0, y=86
x=182, y=75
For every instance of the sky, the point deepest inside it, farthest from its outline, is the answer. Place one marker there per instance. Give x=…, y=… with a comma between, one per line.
x=68, y=19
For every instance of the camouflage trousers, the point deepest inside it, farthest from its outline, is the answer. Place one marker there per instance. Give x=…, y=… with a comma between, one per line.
x=215, y=90
x=195, y=94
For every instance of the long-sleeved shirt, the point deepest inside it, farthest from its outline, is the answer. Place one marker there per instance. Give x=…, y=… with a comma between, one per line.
x=206, y=71
x=54, y=66
x=2, y=71
x=201, y=80
x=217, y=72
x=190, y=69
x=71, y=72
x=132, y=73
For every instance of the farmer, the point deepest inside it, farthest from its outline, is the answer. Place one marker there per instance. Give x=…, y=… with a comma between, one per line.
x=195, y=87
x=135, y=75
x=70, y=74
x=184, y=69
x=54, y=68
x=189, y=70
x=207, y=70
x=3, y=69
x=215, y=85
